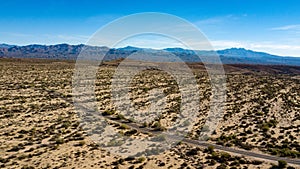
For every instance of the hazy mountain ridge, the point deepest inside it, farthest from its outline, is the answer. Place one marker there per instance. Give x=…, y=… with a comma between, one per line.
x=66, y=51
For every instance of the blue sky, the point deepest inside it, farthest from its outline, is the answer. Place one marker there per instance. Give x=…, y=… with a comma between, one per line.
x=262, y=25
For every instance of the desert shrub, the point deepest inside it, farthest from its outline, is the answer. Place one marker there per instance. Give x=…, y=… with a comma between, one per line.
x=242, y=161
x=120, y=161
x=259, y=113
x=265, y=128
x=75, y=125
x=15, y=148
x=120, y=116
x=249, y=131
x=23, y=132
x=114, y=143
x=59, y=140
x=131, y=132
x=282, y=163
x=246, y=146
x=222, y=166
x=272, y=123
x=4, y=160
x=224, y=157
x=108, y=112
x=212, y=162
x=219, y=142
x=153, y=151
x=78, y=136
x=284, y=152
x=267, y=125
x=256, y=162
x=21, y=157
x=145, y=124
x=81, y=143
x=210, y=149
x=27, y=167
x=235, y=163
x=192, y=152
x=215, y=156
x=157, y=126
x=131, y=120
x=60, y=118
x=158, y=138
x=66, y=124
x=123, y=126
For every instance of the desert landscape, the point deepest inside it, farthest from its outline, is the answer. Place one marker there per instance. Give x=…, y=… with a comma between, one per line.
x=150, y=84
x=40, y=127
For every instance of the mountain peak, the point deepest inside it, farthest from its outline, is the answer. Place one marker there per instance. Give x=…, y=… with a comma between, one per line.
x=130, y=48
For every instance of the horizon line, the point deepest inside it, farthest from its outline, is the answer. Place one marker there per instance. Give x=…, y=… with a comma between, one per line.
x=216, y=50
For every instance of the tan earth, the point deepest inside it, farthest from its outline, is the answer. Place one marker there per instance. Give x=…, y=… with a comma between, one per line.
x=40, y=128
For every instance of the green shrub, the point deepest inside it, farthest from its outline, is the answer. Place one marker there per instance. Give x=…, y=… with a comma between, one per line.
x=141, y=159
x=210, y=149
x=120, y=116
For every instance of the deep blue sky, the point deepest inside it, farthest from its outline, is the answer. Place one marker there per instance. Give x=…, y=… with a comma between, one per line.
x=263, y=25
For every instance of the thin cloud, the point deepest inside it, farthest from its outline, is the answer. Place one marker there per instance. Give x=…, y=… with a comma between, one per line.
x=103, y=19
x=218, y=20
x=276, y=46
x=17, y=34
x=287, y=27
x=208, y=21
x=73, y=37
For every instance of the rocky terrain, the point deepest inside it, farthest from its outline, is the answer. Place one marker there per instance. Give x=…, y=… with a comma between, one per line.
x=40, y=127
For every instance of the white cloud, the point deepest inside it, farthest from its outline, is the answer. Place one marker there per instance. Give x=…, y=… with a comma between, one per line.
x=224, y=44
x=269, y=47
x=150, y=41
x=278, y=49
x=275, y=46
x=162, y=42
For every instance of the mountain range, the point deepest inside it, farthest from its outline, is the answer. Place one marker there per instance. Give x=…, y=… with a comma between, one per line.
x=70, y=52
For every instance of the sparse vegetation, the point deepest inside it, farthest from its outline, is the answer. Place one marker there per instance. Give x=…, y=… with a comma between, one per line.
x=38, y=121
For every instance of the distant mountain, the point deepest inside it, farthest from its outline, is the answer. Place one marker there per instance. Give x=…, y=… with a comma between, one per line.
x=240, y=55
x=3, y=45
x=180, y=50
x=66, y=51
x=61, y=51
